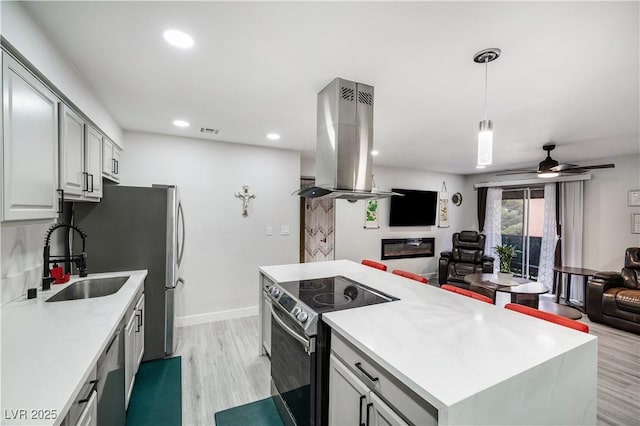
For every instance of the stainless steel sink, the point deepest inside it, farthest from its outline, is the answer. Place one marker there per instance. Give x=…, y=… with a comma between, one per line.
x=93, y=287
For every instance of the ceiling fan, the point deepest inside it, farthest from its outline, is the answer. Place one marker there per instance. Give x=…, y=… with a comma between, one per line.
x=549, y=167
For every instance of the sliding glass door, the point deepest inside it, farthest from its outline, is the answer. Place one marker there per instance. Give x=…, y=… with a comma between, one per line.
x=522, y=226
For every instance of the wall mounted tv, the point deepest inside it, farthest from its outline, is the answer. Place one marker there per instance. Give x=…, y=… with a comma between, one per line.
x=416, y=208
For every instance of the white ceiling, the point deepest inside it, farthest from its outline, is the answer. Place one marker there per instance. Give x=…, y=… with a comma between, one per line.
x=568, y=73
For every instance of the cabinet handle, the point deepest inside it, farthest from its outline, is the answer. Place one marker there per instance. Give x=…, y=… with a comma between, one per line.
x=93, y=388
x=113, y=166
x=86, y=181
x=117, y=167
x=369, y=405
x=362, y=398
x=90, y=174
x=369, y=376
x=60, y=201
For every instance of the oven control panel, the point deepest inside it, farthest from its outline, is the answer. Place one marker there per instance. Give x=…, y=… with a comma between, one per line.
x=289, y=304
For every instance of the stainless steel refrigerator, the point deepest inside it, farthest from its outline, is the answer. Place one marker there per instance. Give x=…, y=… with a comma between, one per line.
x=140, y=228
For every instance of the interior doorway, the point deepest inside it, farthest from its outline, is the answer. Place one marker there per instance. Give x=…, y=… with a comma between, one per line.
x=317, y=218
x=522, y=227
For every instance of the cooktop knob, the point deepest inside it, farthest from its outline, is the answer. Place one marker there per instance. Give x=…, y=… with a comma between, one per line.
x=296, y=311
x=274, y=292
x=302, y=316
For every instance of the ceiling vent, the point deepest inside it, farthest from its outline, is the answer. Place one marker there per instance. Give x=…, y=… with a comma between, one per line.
x=209, y=130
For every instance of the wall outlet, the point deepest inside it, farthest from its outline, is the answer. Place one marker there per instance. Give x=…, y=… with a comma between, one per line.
x=269, y=230
x=284, y=230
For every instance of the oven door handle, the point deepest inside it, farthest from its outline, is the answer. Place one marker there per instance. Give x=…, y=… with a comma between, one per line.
x=308, y=344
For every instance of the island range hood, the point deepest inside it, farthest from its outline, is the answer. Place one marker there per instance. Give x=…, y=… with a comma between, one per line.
x=344, y=142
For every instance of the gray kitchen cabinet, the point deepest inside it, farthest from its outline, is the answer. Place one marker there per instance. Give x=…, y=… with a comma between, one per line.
x=29, y=145
x=110, y=160
x=80, y=157
x=362, y=390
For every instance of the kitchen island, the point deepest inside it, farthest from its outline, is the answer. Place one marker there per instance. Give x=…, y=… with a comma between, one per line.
x=473, y=362
x=50, y=349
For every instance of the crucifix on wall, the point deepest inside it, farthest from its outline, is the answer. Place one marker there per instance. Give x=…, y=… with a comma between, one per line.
x=245, y=197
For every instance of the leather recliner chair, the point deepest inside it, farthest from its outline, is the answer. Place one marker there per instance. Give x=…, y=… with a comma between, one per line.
x=466, y=257
x=614, y=298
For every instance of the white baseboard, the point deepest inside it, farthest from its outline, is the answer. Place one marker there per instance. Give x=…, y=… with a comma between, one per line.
x=216, y=316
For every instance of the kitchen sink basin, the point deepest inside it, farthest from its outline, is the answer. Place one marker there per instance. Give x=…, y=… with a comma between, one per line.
x=89, y=288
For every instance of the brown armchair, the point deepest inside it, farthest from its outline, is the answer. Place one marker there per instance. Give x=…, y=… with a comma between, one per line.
x=614, y=298
x=466, y=257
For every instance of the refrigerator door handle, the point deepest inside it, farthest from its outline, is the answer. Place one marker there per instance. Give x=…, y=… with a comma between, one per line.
x=180, y=247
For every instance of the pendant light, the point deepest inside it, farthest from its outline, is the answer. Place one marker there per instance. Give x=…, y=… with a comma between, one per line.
x=485, y=133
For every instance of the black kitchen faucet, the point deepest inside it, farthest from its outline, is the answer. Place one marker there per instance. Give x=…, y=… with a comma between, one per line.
x=80, y=259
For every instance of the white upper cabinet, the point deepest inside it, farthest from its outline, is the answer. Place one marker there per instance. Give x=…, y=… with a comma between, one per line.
x=110, y=160
x=93, y=163
x=80, y=157
x=29, y=145
x=72, y=178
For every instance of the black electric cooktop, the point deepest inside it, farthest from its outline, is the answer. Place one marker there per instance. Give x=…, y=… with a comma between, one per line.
x=334, y=294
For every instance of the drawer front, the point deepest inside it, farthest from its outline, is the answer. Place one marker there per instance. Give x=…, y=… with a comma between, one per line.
x=84, y=395
x=402, y=399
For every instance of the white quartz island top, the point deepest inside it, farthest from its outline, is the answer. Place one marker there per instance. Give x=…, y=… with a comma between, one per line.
x=49, y=348
x=474, y=362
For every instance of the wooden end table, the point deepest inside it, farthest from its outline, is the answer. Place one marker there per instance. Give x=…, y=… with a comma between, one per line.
x=569, y=271
x=525, y=293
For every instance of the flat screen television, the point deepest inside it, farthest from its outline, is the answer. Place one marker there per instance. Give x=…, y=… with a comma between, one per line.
x=415, y=208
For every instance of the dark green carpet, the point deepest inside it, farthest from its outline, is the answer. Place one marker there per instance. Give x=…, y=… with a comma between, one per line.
x=156, y=399
x=258, y=413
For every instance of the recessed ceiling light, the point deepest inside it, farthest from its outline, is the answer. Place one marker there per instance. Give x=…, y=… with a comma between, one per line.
x=273, y=136
x=375, y=152
x=480, y=166
x=178, y=39
x=180, y=123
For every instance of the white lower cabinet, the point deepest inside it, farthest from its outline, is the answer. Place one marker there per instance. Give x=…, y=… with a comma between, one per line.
x=266, y=323
x=352, y=403
x=89, y=416
x=133, y=346
x=363, y=393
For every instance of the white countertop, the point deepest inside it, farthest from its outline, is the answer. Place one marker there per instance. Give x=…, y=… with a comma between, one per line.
x=444, y=346
x=49, y=349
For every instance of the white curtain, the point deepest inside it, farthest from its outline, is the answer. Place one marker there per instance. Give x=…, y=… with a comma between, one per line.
x=493, y=224
x=572, y=227
x=549, y=237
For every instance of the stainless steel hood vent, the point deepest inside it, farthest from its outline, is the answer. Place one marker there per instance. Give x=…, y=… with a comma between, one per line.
x=343, y=143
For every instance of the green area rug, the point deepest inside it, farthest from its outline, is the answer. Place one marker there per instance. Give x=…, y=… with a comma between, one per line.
x=258, y=413
x=156, y=398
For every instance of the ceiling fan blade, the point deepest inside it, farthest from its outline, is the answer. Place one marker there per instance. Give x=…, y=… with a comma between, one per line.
x=563, y=166
x=582, y=169
x=597, y=166
x=515, y=172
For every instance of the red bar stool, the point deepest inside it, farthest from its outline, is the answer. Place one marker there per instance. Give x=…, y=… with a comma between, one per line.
x=548, y=316
x=467, y=293
x=411, y=276
x=374, y=264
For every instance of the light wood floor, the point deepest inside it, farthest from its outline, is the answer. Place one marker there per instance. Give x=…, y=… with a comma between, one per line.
x=221, y=369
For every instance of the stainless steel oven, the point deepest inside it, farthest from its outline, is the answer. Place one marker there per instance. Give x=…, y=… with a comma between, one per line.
x=292, y=357
x=300, y=342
